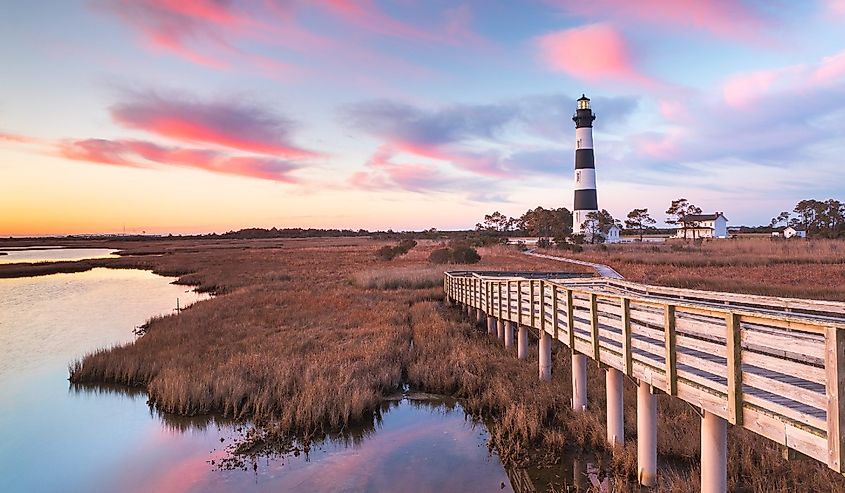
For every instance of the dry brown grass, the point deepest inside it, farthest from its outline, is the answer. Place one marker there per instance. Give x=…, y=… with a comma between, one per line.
x=306, y=340
x=796, y=268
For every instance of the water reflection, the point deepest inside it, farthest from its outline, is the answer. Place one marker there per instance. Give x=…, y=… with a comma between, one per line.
x=84, y=438
x=54, y=254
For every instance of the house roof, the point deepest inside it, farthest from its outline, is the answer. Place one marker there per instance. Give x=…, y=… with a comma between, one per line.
x=796, y=228
x=702, y=217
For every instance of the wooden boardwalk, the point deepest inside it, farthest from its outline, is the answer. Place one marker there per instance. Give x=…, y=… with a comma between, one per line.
x=775, y=366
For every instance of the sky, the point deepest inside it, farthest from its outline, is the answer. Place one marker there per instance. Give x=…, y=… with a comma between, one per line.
x=171, y=116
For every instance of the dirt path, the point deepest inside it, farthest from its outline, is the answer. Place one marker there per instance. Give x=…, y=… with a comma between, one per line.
x=601, y=269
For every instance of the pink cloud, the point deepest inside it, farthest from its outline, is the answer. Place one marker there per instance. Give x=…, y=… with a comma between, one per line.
x=744, y=89
x=836, y=7
x=384, y=172
x=724, y=18
x=594, y=53
x=228, y=124
x=18, y=139
x=143, y=154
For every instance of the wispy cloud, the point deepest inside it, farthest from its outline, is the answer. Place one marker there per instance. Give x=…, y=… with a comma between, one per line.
x=730, y=19
x=145, y=154
x=421, y=147
x=231, y=124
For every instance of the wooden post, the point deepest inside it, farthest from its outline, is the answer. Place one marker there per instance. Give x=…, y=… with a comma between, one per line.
x=542, y=305
x=554, y=312
x=594, y=325
x=733, y=337
x=570, y=319
x=519, y=302
x=509, y=300
x=834, y=363
x=500, y=297
x=671, y=354
x=531, y=300
x=625, y=304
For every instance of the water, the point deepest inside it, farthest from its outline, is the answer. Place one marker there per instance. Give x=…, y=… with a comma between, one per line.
x=52, y=254
x=57, y=437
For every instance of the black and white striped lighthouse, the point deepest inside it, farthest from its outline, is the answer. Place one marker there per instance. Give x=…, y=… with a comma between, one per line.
x=586, y=200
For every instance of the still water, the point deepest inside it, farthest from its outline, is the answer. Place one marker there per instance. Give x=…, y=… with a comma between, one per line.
x=56, y=437
x=53, y=254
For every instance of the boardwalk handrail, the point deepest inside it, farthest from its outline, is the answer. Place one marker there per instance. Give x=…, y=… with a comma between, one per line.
x=775, y=366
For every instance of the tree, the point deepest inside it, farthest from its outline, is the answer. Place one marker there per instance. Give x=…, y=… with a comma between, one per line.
x=783, y=217
x=597, y=224
x=546, y=223
x=639, y=220
x=678, y=214
x=822, y=218
x=496, y=222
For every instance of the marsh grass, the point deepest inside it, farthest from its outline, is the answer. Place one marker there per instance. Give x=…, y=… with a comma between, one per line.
x=308, y=338
x=788, y=268
x=400, y=278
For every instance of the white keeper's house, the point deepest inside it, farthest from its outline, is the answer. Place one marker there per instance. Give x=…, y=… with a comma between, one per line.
x=694, y=226
x=795, y=232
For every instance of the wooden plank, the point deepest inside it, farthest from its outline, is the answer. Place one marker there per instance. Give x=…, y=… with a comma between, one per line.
x=782, y=342
x=702, y=381
x=583, y=347
x=734, y=352
x=650, y=348
x=647, y=316
x=700, y=363
x=784, y=366
x=639, y=330
x=701, y=397
x=671, y=351
x=625, y=306
x=684, y=342
x=786, y=412
x=570, y=324
x=785, y=389
x=835, y=384
x=594, y=326
x=784, y=322
x=804, y=441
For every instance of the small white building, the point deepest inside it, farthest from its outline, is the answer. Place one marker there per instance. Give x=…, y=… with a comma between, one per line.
x=612, y=234
x=794, y=232
x=696, y=226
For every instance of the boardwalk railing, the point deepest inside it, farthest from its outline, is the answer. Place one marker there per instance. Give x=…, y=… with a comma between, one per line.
x=774, y=366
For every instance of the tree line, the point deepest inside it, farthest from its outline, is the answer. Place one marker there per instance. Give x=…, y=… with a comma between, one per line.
x=820, y=218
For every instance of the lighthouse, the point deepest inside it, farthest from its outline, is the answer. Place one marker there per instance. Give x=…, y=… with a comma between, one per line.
x=586, y=200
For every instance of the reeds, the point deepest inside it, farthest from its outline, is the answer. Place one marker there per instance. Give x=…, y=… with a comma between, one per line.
x=308, y=339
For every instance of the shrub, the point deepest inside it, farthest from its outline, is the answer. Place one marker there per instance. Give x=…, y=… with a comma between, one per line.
x=387, y=253
x=390, y=253
x=461, y=254
x=544, y=243
x=440, y=256
x=465, y=255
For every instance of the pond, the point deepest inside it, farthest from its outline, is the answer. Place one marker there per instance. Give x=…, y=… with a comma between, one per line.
x=51, y=254
x=60, y=437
